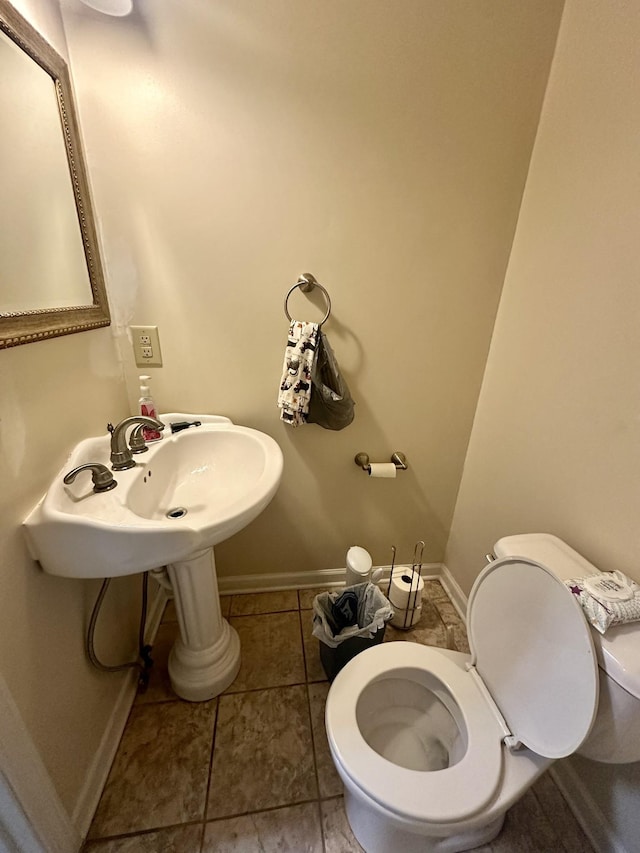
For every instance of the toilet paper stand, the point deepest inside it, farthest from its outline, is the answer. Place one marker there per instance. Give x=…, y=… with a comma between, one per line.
x=399, y=460
x=404, y=589
x=407, y=612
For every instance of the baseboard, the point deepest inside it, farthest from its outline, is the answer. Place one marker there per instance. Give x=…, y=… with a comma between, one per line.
x=98, y=772
x=455, y=593
x=96, y=778
x=236, y=584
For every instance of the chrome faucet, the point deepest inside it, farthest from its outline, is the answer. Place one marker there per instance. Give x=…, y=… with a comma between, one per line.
x=121, y=457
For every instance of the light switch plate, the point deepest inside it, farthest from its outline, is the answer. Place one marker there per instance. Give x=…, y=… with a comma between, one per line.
x=146, y=346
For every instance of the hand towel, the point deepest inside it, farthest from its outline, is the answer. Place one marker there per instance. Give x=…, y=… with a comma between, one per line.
x=331, y=405
x=295, y=385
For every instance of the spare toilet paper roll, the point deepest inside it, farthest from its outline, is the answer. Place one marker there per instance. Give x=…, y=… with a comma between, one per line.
x=406, y=589
x=406, y=617
x=382, y=469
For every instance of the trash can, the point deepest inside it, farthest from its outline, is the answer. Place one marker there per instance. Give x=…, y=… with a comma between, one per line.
x=347, y=622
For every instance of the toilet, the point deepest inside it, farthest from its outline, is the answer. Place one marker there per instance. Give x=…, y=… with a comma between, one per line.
x=433, y=746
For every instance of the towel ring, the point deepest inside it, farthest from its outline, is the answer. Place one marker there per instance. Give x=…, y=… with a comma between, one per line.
x=306, y=283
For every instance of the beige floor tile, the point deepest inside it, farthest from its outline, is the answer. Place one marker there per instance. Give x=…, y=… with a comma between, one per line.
x=295, y=829
x=338, y=837
x=451, y=617
x=159, y=775
x=526, y=829
x=461, y=640
x=448, y=612
x=181, y=839
x=263, y=754
x=430, y=630
x=312, y=661
x=329, y=782
x=560, y=816
x=159, y=688
x=271, y=648
x=434, y=591
x=263, y=602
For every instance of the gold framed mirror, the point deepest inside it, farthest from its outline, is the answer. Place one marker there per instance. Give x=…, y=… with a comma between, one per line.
x=51, y=275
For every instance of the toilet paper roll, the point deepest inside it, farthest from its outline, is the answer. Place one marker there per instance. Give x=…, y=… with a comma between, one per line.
x=406, y=589
x=382, y=469
x=403, y=618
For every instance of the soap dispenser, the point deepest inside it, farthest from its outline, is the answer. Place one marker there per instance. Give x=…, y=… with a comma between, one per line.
x=148, y=408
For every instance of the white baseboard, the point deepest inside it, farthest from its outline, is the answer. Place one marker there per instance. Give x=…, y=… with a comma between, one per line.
x=588, y=814
x=96, y=779
x=236, y=584
x=453, y=590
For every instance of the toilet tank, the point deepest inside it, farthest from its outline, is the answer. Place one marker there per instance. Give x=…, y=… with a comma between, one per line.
x=615, y=736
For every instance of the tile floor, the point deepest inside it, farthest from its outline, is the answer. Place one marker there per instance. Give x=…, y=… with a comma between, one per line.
x=251, y=770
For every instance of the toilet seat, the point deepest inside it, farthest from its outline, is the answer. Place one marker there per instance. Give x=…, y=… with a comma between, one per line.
x=540, y=670
x=539, y=675
x=440, y=796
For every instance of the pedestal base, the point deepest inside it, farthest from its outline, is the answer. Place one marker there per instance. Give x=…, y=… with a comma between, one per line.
x=206, y=658
x=201, y=675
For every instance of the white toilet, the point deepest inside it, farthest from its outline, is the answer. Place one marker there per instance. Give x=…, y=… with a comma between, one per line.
x=434, y=746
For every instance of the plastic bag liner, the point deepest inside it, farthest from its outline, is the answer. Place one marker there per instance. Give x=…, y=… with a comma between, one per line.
x=337, y=649
x=331, y=405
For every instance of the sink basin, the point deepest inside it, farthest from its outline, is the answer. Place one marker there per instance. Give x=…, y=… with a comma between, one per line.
x=186, y=493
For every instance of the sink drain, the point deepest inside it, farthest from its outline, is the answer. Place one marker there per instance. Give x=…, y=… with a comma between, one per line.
x=176, y=512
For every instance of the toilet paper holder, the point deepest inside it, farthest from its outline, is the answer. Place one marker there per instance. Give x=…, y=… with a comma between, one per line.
x=399, y=460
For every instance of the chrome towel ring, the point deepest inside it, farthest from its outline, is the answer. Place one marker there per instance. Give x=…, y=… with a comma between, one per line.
x=306, y=283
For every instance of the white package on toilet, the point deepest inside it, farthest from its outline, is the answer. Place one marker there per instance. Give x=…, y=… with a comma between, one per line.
x=607, y=598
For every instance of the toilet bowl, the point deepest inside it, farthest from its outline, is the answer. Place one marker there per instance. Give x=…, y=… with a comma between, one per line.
x=433, y=746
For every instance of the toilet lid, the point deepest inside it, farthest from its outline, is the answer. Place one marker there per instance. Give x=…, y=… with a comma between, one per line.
x=532, y=647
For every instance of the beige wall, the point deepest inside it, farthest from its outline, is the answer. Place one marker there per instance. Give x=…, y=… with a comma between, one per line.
x=381, y=146
x=52, y=394
x=556, y=440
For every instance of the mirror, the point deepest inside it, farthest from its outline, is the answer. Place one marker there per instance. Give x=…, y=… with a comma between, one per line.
x=51, y=278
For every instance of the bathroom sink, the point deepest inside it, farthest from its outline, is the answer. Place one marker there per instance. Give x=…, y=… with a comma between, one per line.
x=188, y=492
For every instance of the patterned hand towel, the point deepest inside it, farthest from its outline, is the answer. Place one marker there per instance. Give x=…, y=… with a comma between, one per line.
x=295, y=385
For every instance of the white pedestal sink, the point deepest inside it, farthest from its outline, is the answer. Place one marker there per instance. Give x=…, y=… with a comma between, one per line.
x=188, y=492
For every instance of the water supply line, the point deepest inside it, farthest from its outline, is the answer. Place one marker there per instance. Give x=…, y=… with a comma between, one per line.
x=144, y=661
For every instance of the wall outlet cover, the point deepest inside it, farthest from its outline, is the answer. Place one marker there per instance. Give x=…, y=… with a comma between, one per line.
x=146, y=346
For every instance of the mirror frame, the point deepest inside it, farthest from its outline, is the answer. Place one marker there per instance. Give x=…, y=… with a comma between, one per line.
x=23, y=327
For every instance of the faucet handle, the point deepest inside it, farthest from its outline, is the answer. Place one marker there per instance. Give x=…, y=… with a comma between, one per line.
x=102, y=477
